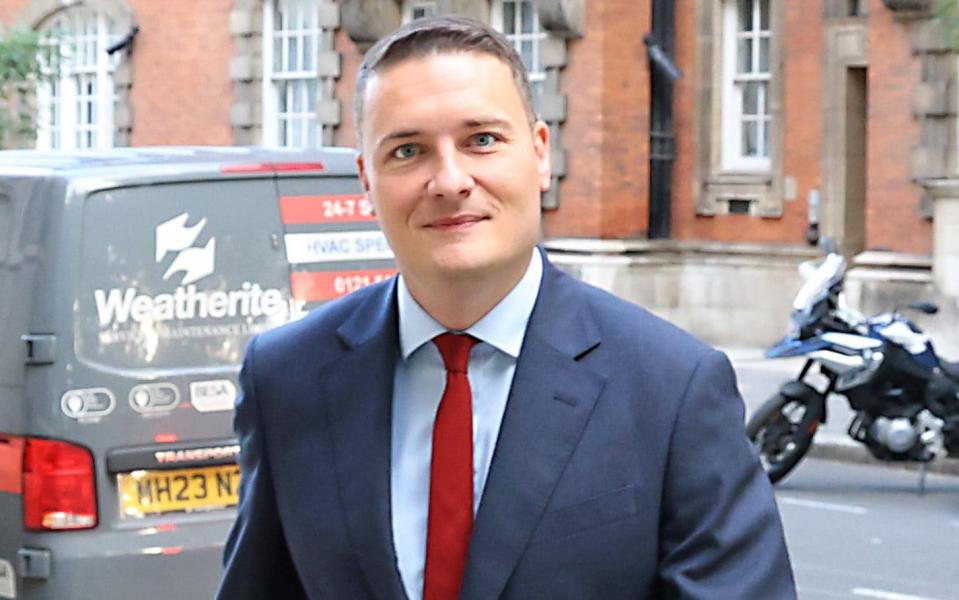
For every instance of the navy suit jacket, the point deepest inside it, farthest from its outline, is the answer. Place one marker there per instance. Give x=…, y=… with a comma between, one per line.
x=622, y=469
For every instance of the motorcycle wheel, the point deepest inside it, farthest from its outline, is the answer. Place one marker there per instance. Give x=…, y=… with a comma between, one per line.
x=775, y=429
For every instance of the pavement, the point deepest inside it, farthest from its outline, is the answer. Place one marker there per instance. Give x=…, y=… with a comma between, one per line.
x=760, y=378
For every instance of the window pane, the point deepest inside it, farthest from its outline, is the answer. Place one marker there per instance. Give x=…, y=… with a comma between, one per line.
x=292, y=64
x=751, y=98
x=297, y=133
x=277, y=53
x=304, y=13
x=297, y=92
x=281, y=96
x=744, y=56
x=423, y=9
x=309, y=52
x=527, y=16
x=764, y=55
x=279, y=17
x=764, y=15
x=749, y=139
x=745, y=15
x=311, y=86
x=509, y=18
x=92, y=101
x=290, y=22
x=526, y=52
x=765, y=137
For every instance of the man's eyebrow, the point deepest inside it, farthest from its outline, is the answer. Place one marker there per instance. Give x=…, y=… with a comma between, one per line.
x=490, y=122
x=397, y=135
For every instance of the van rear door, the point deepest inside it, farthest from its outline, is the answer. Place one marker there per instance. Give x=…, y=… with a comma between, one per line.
x=174, y=279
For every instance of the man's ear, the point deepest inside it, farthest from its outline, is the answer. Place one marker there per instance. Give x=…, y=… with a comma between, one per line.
x=541, y=146
x=361, y=169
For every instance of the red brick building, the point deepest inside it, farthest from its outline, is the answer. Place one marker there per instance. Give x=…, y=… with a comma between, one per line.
x=780, y=103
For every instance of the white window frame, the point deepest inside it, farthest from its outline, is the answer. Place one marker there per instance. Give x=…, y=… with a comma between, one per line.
x=271, y=116
x=63, y=120
x=417, y=9
x=535, y=71
x=733, y=158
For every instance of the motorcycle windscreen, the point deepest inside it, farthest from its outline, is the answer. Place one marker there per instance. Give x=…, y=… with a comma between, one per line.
x=827, y=274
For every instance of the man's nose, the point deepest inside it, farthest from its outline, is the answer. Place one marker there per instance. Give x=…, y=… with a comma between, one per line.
x=451, y=178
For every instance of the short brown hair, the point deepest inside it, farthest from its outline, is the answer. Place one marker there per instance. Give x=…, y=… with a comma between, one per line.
x=442, y=34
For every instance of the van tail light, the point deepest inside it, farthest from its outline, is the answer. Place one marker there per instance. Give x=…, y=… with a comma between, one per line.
x=59, y=487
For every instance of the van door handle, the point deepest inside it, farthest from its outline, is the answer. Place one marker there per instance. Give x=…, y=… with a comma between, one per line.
x=41, y=348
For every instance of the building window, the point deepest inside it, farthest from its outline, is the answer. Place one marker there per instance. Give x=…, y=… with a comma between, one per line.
x=291, y=84
x=746, y=86
x=76, y=99
x=518, y=21
x=417, y=9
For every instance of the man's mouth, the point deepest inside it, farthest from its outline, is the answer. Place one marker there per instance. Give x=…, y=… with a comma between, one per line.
x=456, y=223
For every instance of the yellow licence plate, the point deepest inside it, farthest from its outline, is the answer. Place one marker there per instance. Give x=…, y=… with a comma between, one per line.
x=145, y=493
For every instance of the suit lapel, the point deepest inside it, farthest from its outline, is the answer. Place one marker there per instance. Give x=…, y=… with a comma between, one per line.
x=550, y=402
x=359, y=386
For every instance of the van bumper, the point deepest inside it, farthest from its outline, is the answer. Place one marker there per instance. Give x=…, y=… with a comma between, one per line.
x=150, y=562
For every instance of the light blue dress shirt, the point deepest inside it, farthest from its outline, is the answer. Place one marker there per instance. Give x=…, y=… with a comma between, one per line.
x=417, y=389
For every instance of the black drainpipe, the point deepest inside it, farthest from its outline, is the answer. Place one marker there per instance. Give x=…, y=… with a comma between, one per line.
x=662, y=141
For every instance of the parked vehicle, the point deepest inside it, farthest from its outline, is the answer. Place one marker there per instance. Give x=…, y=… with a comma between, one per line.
x=130, y=282
x=905, y=397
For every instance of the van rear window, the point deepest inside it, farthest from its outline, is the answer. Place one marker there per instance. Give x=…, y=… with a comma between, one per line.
x=180, y=276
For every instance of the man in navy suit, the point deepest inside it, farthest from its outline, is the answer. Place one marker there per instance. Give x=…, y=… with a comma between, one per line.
x=484, y=426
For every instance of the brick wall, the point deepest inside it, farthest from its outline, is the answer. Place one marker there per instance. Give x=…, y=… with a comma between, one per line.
x=181, y=90
x=9, y=9
x=606, y=134
x=892, y=198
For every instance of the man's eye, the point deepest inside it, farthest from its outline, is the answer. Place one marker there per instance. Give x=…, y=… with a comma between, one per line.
x=405, y=151
x=484, y=140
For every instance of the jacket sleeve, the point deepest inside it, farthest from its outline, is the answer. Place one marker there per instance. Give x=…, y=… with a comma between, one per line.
x=721, y=534
x=257, y=563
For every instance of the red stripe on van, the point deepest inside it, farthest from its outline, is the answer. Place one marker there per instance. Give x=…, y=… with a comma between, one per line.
x=329, y=285
x=11, y=464
x=337, y=208
x=277, y=167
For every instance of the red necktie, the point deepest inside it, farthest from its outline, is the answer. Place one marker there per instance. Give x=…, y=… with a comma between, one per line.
x=451, y=475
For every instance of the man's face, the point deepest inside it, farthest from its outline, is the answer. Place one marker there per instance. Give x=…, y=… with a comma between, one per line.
x=452, y=167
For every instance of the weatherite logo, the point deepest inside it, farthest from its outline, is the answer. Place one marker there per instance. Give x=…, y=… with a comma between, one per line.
x=118, y=306
x=175, y=236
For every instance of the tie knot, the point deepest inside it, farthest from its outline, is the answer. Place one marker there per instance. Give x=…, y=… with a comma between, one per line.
x=455, y=350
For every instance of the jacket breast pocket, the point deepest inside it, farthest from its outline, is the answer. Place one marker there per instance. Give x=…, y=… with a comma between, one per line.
x=588, y=514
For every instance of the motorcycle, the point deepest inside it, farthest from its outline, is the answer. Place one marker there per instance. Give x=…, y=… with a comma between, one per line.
x=905, y=397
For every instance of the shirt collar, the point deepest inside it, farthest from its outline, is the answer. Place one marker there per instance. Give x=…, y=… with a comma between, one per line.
x=503, y=327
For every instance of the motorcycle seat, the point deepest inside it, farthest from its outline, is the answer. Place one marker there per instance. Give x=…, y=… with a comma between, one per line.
x=950, y=368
